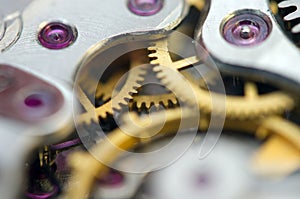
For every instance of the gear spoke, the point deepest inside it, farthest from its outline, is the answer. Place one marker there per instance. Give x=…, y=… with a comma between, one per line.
x=251, y=91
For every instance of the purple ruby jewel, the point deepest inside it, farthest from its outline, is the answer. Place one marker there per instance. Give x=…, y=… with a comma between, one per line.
x=145, y=7
x=246, y=29
x=57, y=35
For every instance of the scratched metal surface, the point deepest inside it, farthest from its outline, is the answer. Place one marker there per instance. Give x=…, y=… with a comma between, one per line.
x=9, y=6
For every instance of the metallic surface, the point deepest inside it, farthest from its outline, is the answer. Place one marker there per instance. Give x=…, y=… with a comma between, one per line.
x=276, y=59
x=251, y=105
x=93, y=22
x=264, y=164
x=21, y=137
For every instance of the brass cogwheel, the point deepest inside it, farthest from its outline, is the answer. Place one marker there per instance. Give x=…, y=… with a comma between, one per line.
x=103, y=91
x=252, y=105
x=167, y=99
x=147, y=101
x=116, y=100
x=86, y=168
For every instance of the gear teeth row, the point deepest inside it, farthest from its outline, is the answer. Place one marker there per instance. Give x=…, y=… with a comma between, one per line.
x=133, y=82
x=162, y=69
x=159, y=54
x=170, y=81
x=293, y=16
x=237, y=108
x=147, y=101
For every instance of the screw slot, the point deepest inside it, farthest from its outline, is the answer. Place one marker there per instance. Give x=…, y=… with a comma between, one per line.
x=145, y=7
x=57, y=35
x=246, y=28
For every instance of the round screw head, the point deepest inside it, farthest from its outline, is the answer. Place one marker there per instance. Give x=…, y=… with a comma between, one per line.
x=246, y=32
x=246, y=29
x=145, y=7
x=57, y=35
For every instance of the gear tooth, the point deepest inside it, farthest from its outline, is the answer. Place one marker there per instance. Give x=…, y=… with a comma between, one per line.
x=154, y=62
x=296, y=29
x=164, y=102
x=174, y=101
x=148, y=105
x=139, y=105
x=153, y=55
x=127, y=99
x=133, y=92
x=152, y=48
x=157, y=69
x=143, y=72
x=102, y=115
x=117, y=107
x=139, y=80
x=291, y=16
x=162, y=77
x=285, y=4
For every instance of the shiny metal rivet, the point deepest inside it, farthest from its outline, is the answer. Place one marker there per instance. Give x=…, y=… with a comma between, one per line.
x=246, y=32
x=57, y=35
x=246, y=29
x=145, y=7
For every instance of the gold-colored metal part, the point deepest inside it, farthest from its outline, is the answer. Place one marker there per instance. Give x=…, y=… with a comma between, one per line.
x=133, y=81
x=274, y=7
x=86, y=168
x=199, y=4
x=252, y=113
x=282, y=128
x=251, y=106
x=280, y=155
x=44, y=156
x=276, y=158
x=147, y=101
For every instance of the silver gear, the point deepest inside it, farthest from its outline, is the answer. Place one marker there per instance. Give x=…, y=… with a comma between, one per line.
x=293, y=15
